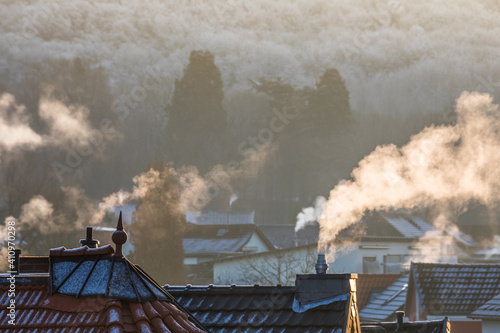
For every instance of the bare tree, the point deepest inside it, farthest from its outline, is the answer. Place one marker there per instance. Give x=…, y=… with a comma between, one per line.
x=278, y=267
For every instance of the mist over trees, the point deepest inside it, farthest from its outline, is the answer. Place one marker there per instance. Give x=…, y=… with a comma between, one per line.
x=316, y=136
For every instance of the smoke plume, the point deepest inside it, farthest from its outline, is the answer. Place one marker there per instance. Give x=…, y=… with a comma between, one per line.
x=310, y=214
x=442, y=166
x=196, y=190
x=15, y=126
x=66, y=125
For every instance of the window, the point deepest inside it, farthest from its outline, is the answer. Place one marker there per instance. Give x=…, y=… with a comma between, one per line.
x=371, y=265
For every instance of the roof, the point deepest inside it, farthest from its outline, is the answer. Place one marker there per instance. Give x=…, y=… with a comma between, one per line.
x=219, y=239
x=37, y=309
x=430, y=326
x=94, y=290
x=383, y=307
x=283, y=236
x=257, y=309
x=490, y=309
x=370, y=283
x=220, y=218
x=454, y=289
x=85, y=272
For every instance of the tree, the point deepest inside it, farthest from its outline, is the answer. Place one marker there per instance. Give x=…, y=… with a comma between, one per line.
x=157, y=232
x=197, y=131
x=329, y=106
x=272, y=268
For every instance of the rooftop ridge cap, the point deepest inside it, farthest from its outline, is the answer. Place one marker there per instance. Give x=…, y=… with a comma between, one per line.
x=79, y=251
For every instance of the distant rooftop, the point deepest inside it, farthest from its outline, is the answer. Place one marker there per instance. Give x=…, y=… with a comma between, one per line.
x=220, y=218
x=384, y=306
x=489, y=310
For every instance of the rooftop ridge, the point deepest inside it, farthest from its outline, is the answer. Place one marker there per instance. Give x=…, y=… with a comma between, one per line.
x=79, y=251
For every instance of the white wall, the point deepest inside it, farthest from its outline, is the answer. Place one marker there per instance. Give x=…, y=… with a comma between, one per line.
x=345, y=259
x=491, y=326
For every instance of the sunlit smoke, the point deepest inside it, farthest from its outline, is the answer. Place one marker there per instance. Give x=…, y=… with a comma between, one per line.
x=310, y=214
x=40, y=214
x=67, y=125
x=197, y=191
x=15, y=126
x=442, y=165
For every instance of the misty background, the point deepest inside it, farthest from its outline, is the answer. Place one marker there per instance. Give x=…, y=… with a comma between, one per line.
x=105, y=103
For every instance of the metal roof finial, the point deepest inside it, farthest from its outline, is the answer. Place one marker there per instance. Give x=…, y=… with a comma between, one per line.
x=119, y=237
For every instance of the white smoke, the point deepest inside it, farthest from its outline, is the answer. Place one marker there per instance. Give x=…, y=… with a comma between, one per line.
x=310, y=214
x=15, y=128
x=421, y=54
x=447, y=166
x=68, y=125
x=196, y=190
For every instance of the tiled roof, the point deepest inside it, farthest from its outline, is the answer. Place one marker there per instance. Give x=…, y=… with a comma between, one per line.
x=383, y=307
x=219, y=239
x=454, y=289
x=220, y=218
x=37, y=311
x=92, y=290
x=367, y=283
x=490, y=309
x=257, y=309
x=283, y=236
x=85, y=272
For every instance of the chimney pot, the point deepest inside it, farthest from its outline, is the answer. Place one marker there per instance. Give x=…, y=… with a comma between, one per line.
x=91, y=243
x=17, y=265
x=399, y=319
x=321, y=265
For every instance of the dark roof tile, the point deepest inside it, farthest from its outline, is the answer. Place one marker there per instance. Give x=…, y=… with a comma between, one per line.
x=255, y=309
x=455, y=289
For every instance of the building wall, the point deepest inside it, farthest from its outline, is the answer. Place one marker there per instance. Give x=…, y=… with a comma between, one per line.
x=256, y=242
x=469, y=327
x=348, y=259
x=241, y=269
x=491, y=326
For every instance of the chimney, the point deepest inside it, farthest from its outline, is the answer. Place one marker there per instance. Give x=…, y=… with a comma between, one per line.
x=312, y=290
x=321, y=265
x=17, y=267
x=91, y=243
x=399, y=320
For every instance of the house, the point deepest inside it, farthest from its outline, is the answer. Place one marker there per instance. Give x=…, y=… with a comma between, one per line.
x=206, y=242
x=317, y=303
x=489, y=313
x=381, y=243
x=453, y=290
x=90, y=290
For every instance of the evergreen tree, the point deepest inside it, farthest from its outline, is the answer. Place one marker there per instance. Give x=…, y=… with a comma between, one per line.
x=157, y=232
x=197, y=127
x=329, y=103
